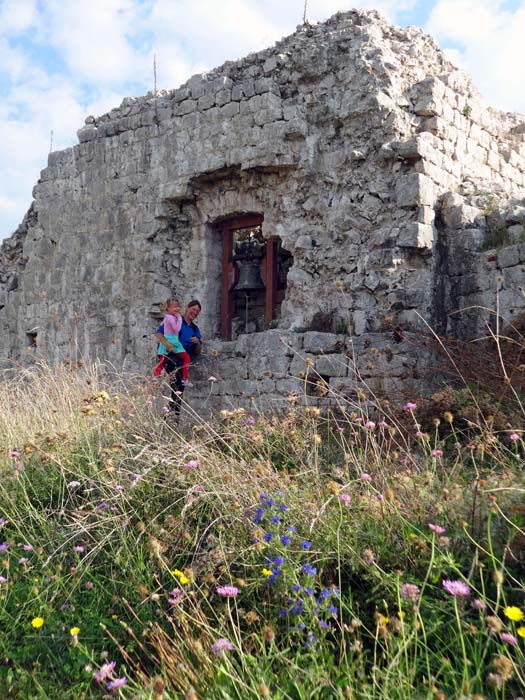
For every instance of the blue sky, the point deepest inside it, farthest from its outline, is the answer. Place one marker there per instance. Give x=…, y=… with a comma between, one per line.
x=64, y=59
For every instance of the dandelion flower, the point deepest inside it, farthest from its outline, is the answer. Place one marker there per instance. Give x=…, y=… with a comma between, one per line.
x=74, y=631
x=521, y=632
x=37, y=622
x=227, y=591
x=221, y=646
x=456, y=588
x=513, y=613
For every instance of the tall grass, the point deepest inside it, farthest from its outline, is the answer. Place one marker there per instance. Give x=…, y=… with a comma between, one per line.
x=370, y=553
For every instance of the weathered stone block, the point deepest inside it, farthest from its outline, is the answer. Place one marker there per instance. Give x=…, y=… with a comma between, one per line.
x=416, y=235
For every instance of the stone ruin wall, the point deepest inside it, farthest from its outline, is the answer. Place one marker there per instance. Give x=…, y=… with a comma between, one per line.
x=373, y=159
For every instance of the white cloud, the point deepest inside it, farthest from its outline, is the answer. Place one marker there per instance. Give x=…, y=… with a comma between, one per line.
x=491, y=43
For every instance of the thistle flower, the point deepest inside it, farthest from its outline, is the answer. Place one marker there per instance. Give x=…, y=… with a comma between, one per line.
x=221, y=646
x=456, y=588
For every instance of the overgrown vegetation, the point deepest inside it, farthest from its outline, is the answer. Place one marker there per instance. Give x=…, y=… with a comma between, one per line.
x=375, y=553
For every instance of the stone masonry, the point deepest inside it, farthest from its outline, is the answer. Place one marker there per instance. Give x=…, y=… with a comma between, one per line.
x=398, y=192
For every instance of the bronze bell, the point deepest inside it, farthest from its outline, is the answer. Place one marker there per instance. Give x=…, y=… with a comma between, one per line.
x=249, y=277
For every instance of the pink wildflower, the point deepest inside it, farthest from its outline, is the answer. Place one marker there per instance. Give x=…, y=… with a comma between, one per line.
x=221, y=646
x=370, y=425
x=27, y=547
x=176, y=595
x=345, y=499
x=365, y=477
x=409, y=591
x=78, y=548
x=105, y=672
x=410, y=406
x=437, y=453
x=212, y=379
x=456, y=588
x=228, y=591
x=4, y=547
x=117, y=683
x=438, y=529
x=508, y=638
x=14, y=454
x=382, y=424
x=165, y=409
x=3, y=579
x=514, y=437
x=89, y=585
x=478, y=604
x=23, y=560
x=192, y=464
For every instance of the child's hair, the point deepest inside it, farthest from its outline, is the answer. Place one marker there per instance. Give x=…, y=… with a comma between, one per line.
x=164, y=306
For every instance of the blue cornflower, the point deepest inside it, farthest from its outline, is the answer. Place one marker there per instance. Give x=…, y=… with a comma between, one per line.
x=262, y=496
x=325, y=625
x=301, y=626
x=325, y=593
x=268, y=536
x=309, y=591
x=309, y=569
x=311, y=640
x=298, y=608
x=332, y=610
x=336, y=592
x=285, y=540
x=296, y=588
x=306, y=545
x=283, y=507
x=278, y=561
x=269, y=502
x=283, y=612
x=276, y=519
x=292, y=528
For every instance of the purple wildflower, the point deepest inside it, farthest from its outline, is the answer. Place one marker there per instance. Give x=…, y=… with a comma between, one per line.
x=508, y=638
x=478, y=604
x=514, y=437
x=365, y=477
x=105, y=672
x=437, y=453
x=306, y=545
x=370, y=425
x=176, y=596
x=268, y=536
x=192, y=464
x=27, y=547
x=227, y=591
x=456, y=588
x=249, y=421
x=309, y=569
x=409, y=591
x=88, y=585
x=14, y=454
x=410, y=406
x=117, y=683
x=221, y=646
x=3, y=579
x=345, y=499
x=23, y=560
x=438, y=529
x=3, y=522
x=4, y=547
x=78, y=548
x=285, y=540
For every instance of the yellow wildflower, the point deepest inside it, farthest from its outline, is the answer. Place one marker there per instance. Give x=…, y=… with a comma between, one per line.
x=521, y=631
x=267, y=572
x=183, y=579
x=37, y=622
x=513, y=613
x=74, y=631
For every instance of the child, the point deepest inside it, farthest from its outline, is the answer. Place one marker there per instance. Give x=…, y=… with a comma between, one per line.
x=172, y=323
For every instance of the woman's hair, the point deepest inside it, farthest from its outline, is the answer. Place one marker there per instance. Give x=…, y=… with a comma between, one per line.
x=164, y=306
x=194, y=302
